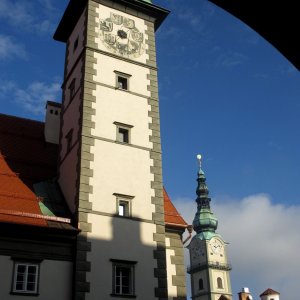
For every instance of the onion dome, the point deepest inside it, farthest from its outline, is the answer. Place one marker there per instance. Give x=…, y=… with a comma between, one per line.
x=204, y=223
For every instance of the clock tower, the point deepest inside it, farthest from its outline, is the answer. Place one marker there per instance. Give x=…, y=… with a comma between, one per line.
x=110, y=152
x=209, y=267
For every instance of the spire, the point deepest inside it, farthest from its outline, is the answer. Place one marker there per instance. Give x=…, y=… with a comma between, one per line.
x=205, y=223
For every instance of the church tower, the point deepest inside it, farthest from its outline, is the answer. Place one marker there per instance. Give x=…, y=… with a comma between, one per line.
x=209, y=268
x=110, y=151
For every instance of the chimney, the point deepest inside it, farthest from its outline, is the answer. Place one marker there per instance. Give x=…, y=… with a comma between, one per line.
x=52, y=122
x=245, y=294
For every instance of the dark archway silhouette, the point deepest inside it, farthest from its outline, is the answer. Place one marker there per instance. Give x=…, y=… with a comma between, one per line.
x=277, y=22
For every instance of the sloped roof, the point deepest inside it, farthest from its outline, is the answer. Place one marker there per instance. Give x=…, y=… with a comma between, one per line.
x=172, y=216
x=269, y=292
x=26, y=152
x=18, y=204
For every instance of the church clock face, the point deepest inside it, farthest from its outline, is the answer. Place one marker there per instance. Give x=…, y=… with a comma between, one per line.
x=216, y=246
x=120, y=36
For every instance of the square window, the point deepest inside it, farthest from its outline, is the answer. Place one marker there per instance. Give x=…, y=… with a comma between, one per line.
x=122, y=83
x=123, y=136
x=123, y=277
x=123, y=208
x=123, y=132
x=122, y=80
x=26, y=277
x=123, y=205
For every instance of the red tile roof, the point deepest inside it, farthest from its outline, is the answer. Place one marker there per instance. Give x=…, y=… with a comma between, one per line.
x=269, y=292
x=16, y=199
x=172, y=216
x=26, y=152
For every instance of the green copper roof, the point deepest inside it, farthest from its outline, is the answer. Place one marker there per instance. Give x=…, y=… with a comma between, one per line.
x=53, y=203
x=205, y=223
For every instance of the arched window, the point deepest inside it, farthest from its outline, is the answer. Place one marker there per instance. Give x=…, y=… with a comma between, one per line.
x=219, y=283
x=200, y=284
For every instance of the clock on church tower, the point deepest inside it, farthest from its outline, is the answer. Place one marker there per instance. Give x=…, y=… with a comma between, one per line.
x=110, y=151
x=209, y=267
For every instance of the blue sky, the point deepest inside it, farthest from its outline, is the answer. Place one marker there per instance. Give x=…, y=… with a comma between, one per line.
x=225, y=93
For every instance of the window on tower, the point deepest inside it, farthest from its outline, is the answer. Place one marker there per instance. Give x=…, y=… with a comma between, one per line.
x=123, y=278
x=75, y=44
x=219, y=283
x=72, y=89
x=69, y=136
x=200, y=283
x=122, y=80
x=123, y=205
x=123, y=132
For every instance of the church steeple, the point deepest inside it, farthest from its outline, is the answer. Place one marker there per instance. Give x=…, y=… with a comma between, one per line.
x=204, y=223
x=210, y=277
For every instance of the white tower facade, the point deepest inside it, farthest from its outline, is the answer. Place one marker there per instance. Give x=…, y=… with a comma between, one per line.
x=209, y=267
x=110, y=151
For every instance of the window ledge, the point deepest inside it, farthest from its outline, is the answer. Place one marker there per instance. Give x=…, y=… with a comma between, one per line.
x=123, y=296
x=24, y=294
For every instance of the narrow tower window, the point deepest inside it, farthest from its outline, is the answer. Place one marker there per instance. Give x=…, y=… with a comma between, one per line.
x=200, y=284
x=72, y=89
x=219, y=283
x=75, y=44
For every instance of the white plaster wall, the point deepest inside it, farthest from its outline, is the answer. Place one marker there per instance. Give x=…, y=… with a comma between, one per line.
x=78, y=31
x=269, y=297
x=118, y=106
x=106, y=66
x=104, y=13
x=133, y=242
x=124, y=170
x=55, y=280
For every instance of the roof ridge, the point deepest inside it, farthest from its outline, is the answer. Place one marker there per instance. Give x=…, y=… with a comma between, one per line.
x=34, y=216
x=21, y=118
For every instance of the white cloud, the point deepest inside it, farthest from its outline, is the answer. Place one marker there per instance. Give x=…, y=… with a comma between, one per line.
x=10, y=49
x=34, y=97
x=264, y=242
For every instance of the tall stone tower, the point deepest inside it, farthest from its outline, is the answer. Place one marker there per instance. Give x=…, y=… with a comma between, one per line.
x=209, y=269
x=110, y=152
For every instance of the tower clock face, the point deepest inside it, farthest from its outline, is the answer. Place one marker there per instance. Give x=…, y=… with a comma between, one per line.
x=216, y=246
x=120, y=35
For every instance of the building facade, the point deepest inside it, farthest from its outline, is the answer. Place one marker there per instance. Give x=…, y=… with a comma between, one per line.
x=104, y=165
